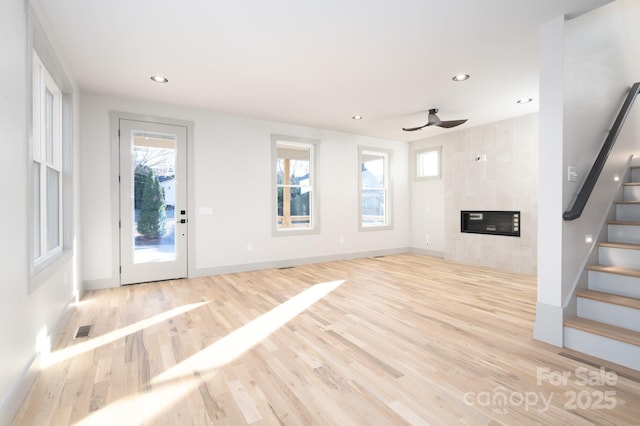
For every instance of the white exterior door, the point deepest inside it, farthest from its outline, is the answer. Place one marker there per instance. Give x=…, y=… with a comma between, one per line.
x=153, y=201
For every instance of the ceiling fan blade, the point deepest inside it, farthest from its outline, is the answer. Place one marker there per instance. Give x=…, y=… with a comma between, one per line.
x=451, y=123
x=413, y=129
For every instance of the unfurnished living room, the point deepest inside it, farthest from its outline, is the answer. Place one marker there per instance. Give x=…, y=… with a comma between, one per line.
x=332, y=213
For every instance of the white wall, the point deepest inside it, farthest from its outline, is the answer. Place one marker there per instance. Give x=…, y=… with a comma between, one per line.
x=602, y=60
x=550, y=205
x=231, y=170
x=25, y=313
x=599, y=60
x=427, y=202
x=507, y=180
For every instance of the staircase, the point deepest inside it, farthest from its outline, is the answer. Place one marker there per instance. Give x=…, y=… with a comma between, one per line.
x=608, y=322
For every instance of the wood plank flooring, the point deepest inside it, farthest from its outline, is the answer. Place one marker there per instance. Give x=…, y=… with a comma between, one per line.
x=403, y=339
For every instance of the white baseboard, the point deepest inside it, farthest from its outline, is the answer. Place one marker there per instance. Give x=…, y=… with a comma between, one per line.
x=285, y=263
x=549, y=326
x=10, y=406
x=18, y=393
x=425, y=252
x=100, y=284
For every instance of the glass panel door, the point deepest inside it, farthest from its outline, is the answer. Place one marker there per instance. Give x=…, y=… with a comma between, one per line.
x=153, y=202
x=153, y=212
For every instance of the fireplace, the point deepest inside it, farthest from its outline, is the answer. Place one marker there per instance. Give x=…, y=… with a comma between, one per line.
x=493, y=222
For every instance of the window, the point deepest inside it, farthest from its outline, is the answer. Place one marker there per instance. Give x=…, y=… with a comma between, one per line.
x=294, y=180
x=46, y=165
x=375, y=196
x=428, y=164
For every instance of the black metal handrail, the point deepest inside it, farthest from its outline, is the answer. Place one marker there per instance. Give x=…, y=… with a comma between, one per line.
x=587, y=187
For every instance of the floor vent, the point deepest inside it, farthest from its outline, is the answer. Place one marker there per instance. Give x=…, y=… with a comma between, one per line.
x=286, y=267
x=82, y=331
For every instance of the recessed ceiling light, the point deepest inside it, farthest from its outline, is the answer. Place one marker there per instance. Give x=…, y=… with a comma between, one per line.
x=461, y=77
x=159, y=79
x=524, y=100
x=356, y=117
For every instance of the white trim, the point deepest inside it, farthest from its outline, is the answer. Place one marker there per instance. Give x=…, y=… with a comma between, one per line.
x=101, y=284
x=40, y=79
x=416, y=156
x=387, y=156
x=425, y=252
x=17, y=394
x=114, y=126
x=47, y=158
x=286, y=263
x=548, y=326
x=314, y=145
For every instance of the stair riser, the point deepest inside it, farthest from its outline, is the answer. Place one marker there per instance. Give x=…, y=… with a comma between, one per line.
x=628, y=212
x=602, y=347
x=625, y=258
x=620, y=316
x=621, y=285
x=635, y=175
x=631, y=193
x=624, y=234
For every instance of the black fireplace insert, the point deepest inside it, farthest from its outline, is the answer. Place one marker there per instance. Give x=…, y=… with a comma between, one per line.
x=493, y=222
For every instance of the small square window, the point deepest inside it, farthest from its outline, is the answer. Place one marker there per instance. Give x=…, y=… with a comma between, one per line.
x=428, y=164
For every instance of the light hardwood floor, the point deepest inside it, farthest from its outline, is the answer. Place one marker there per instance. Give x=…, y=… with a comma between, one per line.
x=403, y=339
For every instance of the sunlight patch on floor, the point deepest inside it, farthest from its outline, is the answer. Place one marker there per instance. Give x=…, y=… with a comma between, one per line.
x=49, y=359
x=139, y=408
x=249, y=335
x=177, y=381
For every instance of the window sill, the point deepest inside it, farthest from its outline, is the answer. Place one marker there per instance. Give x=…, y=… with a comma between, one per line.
x=376, y=228
x=427, y=178
x=292, y=232
x=43, y=271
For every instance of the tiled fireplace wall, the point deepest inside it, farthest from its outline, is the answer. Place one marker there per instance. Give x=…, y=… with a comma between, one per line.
x=504, y=178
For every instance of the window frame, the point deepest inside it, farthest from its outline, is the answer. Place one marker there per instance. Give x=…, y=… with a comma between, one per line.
x=46, y=156
x=387, y=156
x=417, y=165
x=314, y=209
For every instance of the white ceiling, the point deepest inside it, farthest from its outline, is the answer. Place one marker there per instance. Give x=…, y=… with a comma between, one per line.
x=313, y=63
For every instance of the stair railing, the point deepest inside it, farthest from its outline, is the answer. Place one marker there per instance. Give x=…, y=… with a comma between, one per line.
x=590, y=182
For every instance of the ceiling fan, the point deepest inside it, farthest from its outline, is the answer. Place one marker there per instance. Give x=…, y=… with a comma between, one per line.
x=435, y=121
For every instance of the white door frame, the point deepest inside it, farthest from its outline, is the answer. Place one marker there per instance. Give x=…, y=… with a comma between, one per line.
x=114, y=118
